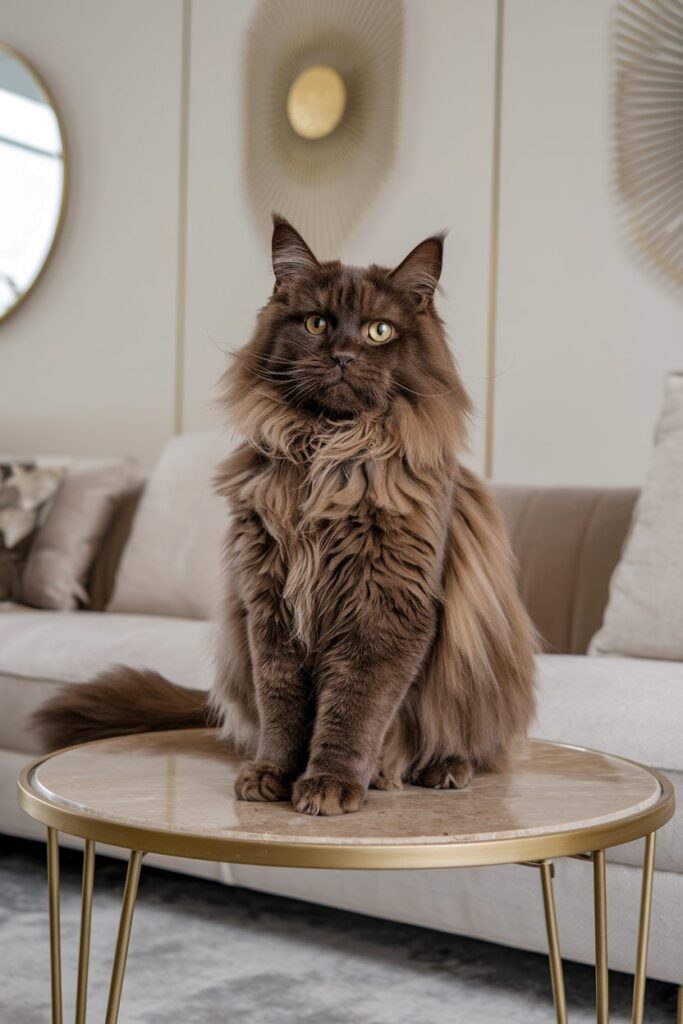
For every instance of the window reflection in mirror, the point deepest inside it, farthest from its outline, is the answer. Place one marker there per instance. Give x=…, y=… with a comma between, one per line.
x=32, y=178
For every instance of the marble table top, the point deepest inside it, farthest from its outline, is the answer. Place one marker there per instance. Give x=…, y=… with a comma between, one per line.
x=180, y=784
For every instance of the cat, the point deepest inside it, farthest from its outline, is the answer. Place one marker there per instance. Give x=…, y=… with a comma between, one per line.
x=371, y=632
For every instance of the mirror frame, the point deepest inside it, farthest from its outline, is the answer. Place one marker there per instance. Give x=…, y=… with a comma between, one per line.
x=11, y=52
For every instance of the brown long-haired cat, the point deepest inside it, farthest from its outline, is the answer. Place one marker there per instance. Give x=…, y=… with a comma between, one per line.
x=372, y=633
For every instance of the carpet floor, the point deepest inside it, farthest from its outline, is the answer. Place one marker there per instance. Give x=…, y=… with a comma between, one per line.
x=203, y=953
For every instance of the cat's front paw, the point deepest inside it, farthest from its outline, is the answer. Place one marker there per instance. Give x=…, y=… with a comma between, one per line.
x=260, y=781
x=319, y=793
x=450, y=773
x=380, y=780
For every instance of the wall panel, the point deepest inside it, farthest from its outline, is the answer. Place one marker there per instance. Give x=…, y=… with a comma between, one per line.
x=86, y=364
x=441, y=179
x=584, y=335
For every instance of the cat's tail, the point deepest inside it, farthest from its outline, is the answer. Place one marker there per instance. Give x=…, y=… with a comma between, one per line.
x=118, y=702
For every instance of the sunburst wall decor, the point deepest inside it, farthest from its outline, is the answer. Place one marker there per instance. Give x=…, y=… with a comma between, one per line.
x=322, y=96
x=649, y=128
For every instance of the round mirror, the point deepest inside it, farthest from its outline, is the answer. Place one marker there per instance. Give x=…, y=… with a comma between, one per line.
x=32, y=178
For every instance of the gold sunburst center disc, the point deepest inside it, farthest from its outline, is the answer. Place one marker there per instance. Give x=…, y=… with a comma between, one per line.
x=316, y=102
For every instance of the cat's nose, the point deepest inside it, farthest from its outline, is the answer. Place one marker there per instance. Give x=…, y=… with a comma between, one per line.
x=343, y=358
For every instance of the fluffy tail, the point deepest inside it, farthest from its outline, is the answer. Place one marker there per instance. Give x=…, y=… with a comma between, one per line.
x=118, y=702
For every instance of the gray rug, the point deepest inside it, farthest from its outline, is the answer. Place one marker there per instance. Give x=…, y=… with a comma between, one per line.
x=202, y=953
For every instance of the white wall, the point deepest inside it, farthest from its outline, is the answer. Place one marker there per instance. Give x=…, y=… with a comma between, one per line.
x=228, y=271
x=97, y=338
x=86, y=364
x=441, y=179
x=584, y=337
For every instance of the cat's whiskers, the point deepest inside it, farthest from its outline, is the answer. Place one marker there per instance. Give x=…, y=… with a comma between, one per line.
x=422, y=394
x=265, y=374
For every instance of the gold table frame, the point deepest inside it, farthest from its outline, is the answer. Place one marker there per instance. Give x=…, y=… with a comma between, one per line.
x=587, y=843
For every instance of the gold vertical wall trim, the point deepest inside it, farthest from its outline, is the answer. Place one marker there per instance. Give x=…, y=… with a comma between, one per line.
x=181, y=269
x=494, y=242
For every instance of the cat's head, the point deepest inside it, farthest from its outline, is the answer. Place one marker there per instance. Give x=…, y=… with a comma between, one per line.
x=341, y=342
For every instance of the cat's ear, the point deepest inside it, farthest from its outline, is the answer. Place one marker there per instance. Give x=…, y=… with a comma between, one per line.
x=420, y=271
x=291, y=256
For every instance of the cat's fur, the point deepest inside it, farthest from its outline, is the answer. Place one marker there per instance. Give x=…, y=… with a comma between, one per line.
x=372, y=632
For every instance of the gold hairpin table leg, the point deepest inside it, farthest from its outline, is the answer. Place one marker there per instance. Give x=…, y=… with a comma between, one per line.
x=86, y=919
x=118, y=970
x=679, y=1015
x=556, y=971
x=601, y=974
x=644, y=930
x=55, y=945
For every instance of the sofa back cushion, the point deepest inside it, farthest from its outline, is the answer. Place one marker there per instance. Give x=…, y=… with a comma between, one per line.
x=171, y=562
x=567, y=542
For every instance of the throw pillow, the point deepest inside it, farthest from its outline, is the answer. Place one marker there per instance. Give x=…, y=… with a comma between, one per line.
x=170, y=565
x=644, y=615
x=66, y=544
x=25, y=494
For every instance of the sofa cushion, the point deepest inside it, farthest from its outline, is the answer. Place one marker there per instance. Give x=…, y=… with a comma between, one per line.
x=567, y=542
x=633, y=708
x=67, y=542
x=644, y=616
x=26, y=493
x=40, y=651
x=170, y=565
x=625, y=706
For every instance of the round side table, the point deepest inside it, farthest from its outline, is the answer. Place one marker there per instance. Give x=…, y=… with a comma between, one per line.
x=171, y=793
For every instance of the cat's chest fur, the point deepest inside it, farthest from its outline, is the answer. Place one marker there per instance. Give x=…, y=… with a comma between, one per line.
x=307, y=515
x=334, y=531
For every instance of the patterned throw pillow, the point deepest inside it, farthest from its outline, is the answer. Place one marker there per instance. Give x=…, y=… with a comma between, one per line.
x=65, y=544
x=26, y=491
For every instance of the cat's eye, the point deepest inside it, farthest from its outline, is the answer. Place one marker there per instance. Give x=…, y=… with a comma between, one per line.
x=316, y=324
x=379, y=332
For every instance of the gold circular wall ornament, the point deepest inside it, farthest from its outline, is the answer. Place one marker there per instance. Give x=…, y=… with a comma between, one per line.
x=316, y=102
x=33, y=178
x=322, y=91
x=648, y=49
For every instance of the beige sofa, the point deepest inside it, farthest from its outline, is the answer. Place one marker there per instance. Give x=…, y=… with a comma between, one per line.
x=567, y=542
